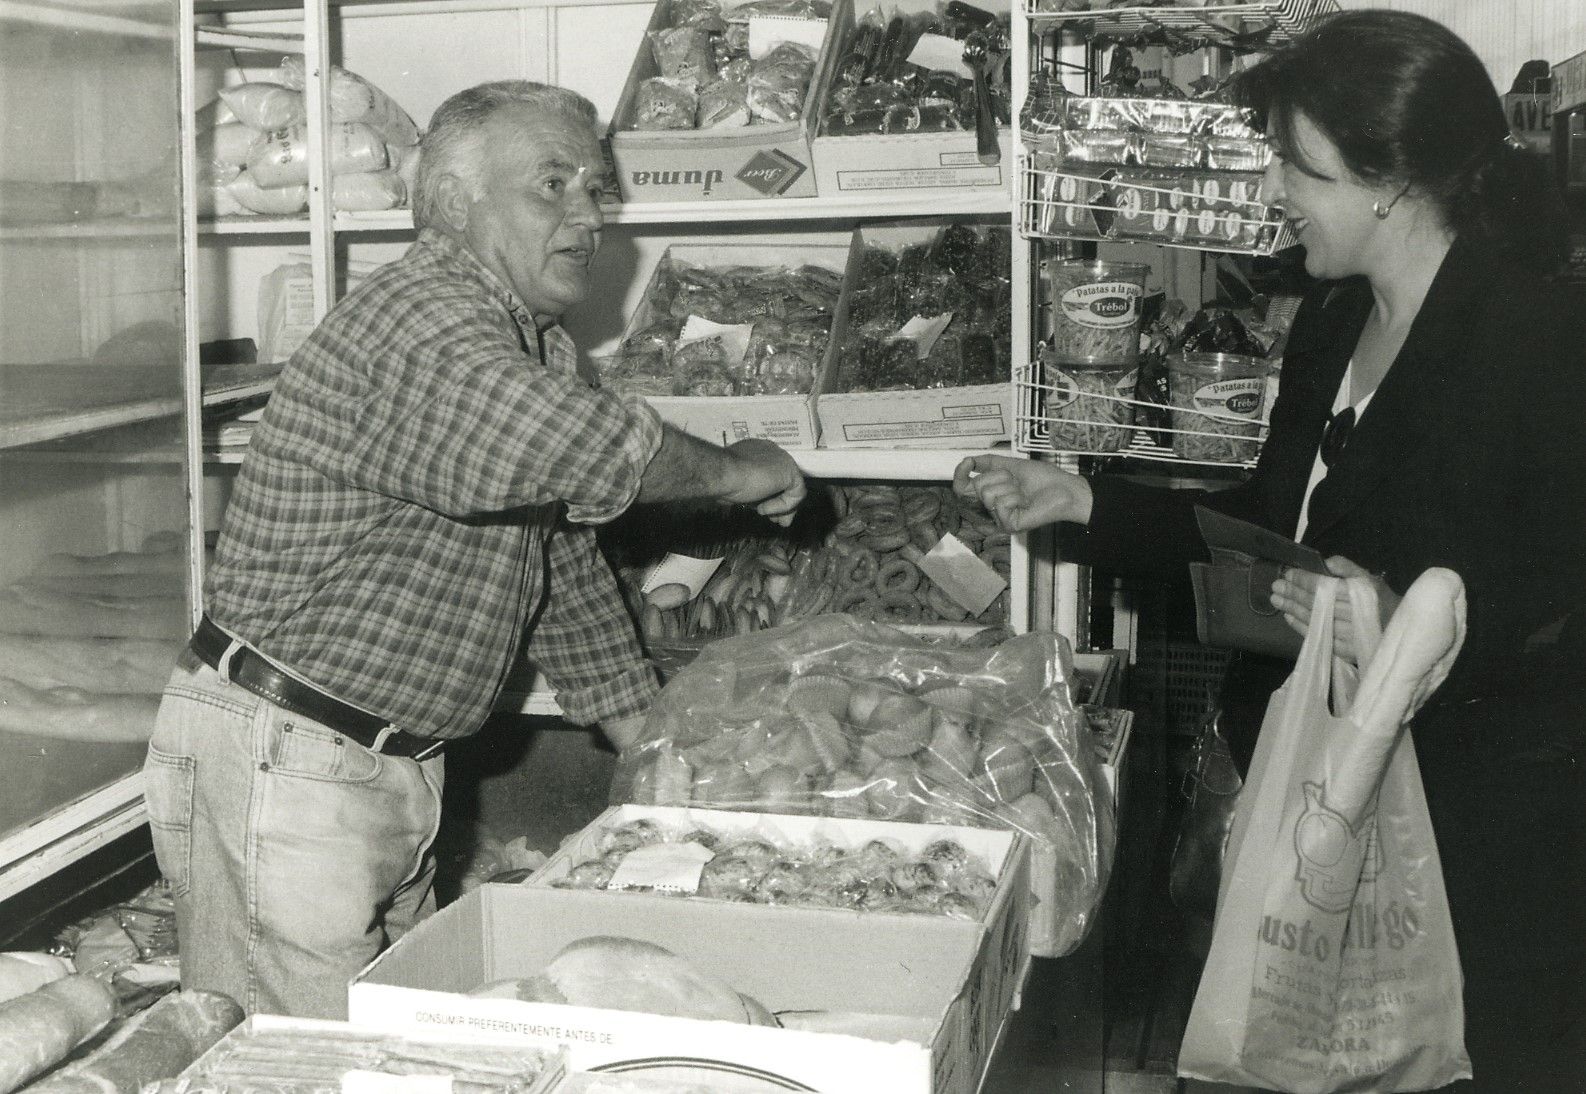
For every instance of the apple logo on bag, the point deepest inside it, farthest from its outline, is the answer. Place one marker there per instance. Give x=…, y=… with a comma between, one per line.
x=1327, y=872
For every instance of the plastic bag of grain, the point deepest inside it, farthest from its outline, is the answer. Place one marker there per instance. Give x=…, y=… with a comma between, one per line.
x=355, y=99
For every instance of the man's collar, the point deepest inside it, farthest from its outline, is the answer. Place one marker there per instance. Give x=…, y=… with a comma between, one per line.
x=454, y=249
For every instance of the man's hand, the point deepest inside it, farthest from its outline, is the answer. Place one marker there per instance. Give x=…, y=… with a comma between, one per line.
x=766, y=477
x=1023, y=494
x=1294, y=590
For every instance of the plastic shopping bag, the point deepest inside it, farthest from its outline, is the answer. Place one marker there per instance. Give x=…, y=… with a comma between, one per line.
x=1332, y=965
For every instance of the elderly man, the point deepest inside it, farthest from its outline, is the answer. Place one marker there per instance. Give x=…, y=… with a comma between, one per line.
x=416, y=506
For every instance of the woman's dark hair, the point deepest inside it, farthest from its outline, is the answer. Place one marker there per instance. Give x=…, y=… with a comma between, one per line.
x=1408, y=103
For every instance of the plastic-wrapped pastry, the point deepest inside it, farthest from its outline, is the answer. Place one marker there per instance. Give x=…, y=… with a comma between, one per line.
x=778, y=82
x=665, y=103
x=684, y=53
x=723, y=104
x=696, y=13
x=702, y=368
x=627, y=837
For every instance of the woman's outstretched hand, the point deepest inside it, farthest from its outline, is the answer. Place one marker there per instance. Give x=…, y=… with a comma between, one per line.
x=1294, y=590
x=1023, y=494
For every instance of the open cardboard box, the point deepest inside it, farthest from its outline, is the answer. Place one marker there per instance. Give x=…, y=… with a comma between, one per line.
x=789, y=420
x=917, y=164
x=910, y=990
x=751, y=161
x=309, y=1032
x=976, y=415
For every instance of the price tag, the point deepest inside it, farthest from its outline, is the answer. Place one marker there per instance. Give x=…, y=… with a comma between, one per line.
x=734, y=337
x=924, y=332
x=680, y=570
x=961, y=574
x=941, y=54
x=668, y=867
x=766, y=32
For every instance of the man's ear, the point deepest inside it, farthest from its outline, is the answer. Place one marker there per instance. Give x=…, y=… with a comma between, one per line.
x=452, y=201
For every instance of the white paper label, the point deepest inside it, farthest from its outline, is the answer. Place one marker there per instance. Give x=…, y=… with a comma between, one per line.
x=940, y=53
x=962, y=575
x=924, y=332
x=379, y=1082
x=734, y=337
x=766, y=32
x=680, y=570
x=669, y=867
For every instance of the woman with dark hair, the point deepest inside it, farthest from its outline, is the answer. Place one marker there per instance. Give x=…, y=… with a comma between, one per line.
x=1433, y=390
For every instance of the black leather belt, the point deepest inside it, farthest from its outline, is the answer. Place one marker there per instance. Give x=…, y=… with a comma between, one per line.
x=253, y=672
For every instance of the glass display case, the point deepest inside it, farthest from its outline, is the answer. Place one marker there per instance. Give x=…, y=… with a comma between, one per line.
x=96, y=533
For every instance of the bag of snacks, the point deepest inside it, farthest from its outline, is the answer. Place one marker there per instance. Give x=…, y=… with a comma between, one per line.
x=833, y=716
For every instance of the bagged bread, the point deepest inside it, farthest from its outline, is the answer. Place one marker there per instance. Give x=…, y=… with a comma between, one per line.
x=281, y=201
x=264, y=106
x=367, y=191
x=281, y=159
x=630, y=974
x=354, y=99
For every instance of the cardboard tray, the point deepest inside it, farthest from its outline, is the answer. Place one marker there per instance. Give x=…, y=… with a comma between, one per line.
x=195, y=1073
x=789, y=420
x=751, y=161
x=921, y=999
x=979, y=415
x=918, y=164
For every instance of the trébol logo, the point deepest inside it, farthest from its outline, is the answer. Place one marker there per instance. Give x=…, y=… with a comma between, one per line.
x=1243, y=403
x=769, y=172
x=1110, y=306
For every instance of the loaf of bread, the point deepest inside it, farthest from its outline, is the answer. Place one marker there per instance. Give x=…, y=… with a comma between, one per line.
x=152, y=1045
x=136, y=666
x=22, y=972
x=630, y=974
x=32, y=609
x=75, y=714
x=40, y=1029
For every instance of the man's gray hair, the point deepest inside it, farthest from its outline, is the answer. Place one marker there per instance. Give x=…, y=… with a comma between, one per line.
x=455, y=142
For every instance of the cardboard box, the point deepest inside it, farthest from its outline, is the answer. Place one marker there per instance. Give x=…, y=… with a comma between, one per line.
x=1569, y=83
x=918, y=164
x=450, y=1044
x=751, y=161
x=922, y=1005
x=789, y=420
x=974, y=416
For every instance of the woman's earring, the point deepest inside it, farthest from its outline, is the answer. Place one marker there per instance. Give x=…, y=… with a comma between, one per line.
x=1381, y=210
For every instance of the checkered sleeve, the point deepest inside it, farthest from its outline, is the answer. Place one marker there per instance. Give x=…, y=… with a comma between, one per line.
x=585, y=641
x=463, y=418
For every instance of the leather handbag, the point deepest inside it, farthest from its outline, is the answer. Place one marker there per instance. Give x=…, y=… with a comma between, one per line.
x=1233, y=592
x=1211, y=790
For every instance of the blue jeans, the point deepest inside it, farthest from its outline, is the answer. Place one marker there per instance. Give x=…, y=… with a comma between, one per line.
x=294, y=854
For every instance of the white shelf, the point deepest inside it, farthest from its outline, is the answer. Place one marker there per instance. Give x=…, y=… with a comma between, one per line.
x=900, y=464
x=254, y=41
x=77, y=20
x=989, y=202
x=61, y=838
x=254, y=225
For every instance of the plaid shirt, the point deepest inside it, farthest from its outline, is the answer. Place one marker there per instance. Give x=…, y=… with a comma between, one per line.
x=421, y=485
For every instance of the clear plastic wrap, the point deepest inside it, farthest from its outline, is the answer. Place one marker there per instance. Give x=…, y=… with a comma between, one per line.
x=665, y=103
x=778, y=82
x=684, y=53
x=947, y=871
x=355, y=99
x=264, y=106
x=281, y=158
x=834, y=716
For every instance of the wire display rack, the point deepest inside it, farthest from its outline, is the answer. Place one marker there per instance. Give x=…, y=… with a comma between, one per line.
x=1250, y=26
x=1044, y=425
x=1201, y=211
